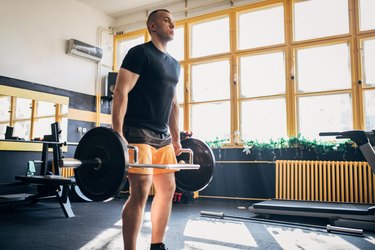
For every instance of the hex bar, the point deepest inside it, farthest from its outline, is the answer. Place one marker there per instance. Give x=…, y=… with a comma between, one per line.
x=166, y=166
x=75, y=163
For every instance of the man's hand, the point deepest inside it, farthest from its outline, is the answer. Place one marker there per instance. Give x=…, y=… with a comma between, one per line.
x=177, y=147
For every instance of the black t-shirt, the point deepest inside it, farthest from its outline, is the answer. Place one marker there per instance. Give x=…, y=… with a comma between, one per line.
x=149, y=103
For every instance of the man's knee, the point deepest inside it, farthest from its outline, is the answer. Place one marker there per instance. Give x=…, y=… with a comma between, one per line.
x=140, y=186
x=165, y=185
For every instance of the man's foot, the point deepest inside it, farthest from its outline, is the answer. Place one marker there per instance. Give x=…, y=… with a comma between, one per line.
x=158, y=246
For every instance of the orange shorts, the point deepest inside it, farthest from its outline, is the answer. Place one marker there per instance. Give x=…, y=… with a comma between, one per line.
x=149, y=155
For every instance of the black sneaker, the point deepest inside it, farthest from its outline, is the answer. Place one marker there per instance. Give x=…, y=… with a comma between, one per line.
x=158, y=246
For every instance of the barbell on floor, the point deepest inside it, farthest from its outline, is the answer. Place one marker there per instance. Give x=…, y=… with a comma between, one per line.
x=101, y=164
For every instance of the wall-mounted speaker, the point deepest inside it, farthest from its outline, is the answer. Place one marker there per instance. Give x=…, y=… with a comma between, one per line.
x=110, y=84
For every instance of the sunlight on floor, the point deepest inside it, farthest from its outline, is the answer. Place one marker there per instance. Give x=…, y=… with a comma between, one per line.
x=206, y=246
x=108, y=239
x=229, y=232
x=371, y=240
x=294, y=238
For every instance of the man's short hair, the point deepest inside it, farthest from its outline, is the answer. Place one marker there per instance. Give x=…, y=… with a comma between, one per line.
x=152, y=15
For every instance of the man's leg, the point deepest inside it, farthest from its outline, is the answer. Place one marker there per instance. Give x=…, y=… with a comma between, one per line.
x=165, y=186
x=133, y=210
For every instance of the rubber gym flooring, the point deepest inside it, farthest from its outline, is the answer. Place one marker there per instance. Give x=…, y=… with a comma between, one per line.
x=97, y=225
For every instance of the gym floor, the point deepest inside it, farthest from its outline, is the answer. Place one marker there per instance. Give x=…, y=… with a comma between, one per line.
x=97, y=225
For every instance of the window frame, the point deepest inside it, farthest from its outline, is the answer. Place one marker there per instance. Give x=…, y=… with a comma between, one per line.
x=353, y=38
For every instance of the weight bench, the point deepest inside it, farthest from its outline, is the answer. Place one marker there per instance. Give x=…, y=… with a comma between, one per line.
x=48, y=184
x=59, y=184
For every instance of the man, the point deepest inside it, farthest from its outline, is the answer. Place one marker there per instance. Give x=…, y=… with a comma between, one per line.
x=145, y=111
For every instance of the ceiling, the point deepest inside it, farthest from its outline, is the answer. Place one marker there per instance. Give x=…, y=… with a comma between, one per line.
x=117, y=8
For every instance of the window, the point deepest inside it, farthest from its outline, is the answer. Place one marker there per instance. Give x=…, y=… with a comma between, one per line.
x=180, y=91
x=124, y=45
x=63, y=119
x=210, y=37
x=255, y=77
x=368, y=81
x=22, y=118
x=368, y=61
x=258, y=119
x=321, y=68
x=320, y=18
x=210, y=84
x=369, y=97
x=210, y=81
x=325, y=113
x=256, y=123
x=181, y=119
x=45, y=116
x=366, y=14
x=4, y=114
x=271, y=31
x=211, y=120
x=176, y=46
x=31, y=113
x=294, y=62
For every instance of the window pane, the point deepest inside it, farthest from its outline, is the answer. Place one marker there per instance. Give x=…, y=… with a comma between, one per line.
x=251, y=34
x=323, y=114
x=320, y=18
x=181, y=119
x=23, y=108
x=368, y=62
x=323, y=68
x=45, y=109
x=210, y=121
x=256, y=123
x=210, y=37
x=180, y=87
x=369, y=109
x=366, y=14
x=255, y=77
x=64, y=129
x=123, y=46
x=176, y=46
x=22, y=129
x=42, y=127
x=4, y=109
x=3, y=128
x=64, y=110
x=210, y=81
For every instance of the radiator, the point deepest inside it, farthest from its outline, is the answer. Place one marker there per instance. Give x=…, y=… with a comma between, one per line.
x=331, y=181
x=67, y=172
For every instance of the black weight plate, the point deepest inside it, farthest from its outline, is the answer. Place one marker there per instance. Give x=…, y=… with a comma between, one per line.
x=99, y=184
x=195, y=180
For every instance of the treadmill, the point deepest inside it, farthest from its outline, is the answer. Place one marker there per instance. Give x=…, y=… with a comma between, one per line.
x=342, y=214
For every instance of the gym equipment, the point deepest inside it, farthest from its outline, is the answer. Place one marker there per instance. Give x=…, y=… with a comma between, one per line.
x=362, y=139
x=359, y=215
x=101, y=163
x=197, y=180
x=328, y=228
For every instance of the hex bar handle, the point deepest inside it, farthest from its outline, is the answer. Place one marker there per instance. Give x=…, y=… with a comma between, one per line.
x=183, y=151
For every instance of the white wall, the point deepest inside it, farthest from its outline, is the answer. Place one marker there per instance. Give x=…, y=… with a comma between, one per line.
x=33, y=41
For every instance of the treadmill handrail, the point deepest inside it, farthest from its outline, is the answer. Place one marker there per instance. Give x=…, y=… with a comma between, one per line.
x=361, y=138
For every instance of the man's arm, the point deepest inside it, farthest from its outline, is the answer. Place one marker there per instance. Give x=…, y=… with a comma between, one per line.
x=126, y=81
x=173, y=126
